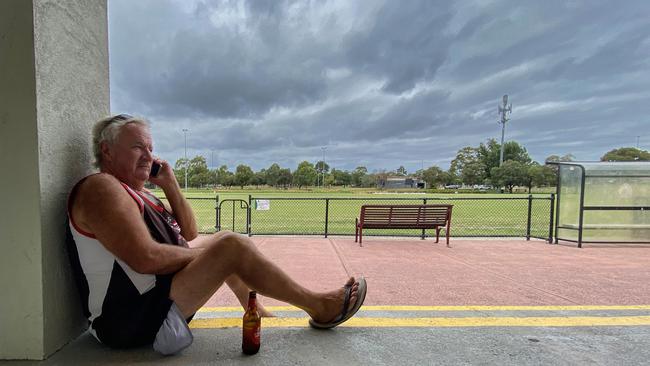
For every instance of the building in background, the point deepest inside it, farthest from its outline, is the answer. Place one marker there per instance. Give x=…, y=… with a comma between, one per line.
x=401, y=182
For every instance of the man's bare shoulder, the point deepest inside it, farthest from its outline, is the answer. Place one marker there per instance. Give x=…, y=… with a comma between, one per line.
x=100, y=189
x=100, y=179
x=99, y=184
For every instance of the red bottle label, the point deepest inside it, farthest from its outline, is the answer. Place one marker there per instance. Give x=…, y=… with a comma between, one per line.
x=251, y=338
x=252, y=335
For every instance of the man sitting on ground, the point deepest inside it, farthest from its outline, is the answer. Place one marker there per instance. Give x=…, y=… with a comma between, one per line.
x=142, y=268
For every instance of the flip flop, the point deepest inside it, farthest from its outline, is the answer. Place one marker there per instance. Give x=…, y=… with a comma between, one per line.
x=346, y=313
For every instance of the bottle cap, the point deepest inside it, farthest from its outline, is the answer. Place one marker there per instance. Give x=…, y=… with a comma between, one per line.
x=252, y=294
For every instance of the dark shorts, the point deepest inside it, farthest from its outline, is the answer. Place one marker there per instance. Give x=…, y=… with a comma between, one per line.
x=130, y=319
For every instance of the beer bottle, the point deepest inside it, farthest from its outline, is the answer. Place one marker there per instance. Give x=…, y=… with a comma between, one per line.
x=252, y=323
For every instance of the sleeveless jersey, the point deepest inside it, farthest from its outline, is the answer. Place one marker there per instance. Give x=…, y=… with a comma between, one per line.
x=124, y=308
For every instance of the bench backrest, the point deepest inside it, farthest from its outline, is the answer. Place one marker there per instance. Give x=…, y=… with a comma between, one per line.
x=396, y=215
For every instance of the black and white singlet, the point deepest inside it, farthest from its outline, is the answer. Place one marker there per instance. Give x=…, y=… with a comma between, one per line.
x=125, y=308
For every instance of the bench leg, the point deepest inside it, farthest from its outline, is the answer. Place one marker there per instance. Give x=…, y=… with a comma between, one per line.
x=356, y=229
x=360, y=236
x=437, y=235
x=447, y=235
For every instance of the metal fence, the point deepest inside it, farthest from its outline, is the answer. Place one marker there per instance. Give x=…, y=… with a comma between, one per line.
x=529, y=217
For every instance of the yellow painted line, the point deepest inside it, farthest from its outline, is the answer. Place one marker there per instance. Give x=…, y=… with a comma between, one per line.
x=451, y=308
x=577, y=321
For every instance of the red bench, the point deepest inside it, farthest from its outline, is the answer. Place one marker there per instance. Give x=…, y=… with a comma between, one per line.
x=404, y=217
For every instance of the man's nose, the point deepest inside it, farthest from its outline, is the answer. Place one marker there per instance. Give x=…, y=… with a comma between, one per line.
x=148, y=155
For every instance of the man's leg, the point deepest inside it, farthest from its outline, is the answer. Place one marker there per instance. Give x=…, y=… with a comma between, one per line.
x=237, y=286
x=231, y=254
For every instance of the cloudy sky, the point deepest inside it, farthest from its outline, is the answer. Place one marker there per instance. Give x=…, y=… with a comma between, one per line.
x=381, y=83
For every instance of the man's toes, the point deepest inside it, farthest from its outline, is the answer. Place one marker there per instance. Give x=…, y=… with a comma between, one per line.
x=353, y=299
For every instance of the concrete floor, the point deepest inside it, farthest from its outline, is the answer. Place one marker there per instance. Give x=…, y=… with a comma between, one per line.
x=506, y=302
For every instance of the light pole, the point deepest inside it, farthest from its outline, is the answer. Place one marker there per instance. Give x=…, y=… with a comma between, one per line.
x=323, y=165
x=504, y=111
x=186, y=162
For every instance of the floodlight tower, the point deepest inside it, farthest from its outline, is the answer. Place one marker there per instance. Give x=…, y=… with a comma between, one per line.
x=323, y=165
x=504, y=111
x=186, y=162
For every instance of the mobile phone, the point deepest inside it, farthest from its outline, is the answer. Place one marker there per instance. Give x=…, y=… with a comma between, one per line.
x=155, y=168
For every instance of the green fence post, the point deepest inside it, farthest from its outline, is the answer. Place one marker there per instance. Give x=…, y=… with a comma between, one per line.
x=249, y=216
x=327, y=212
x=550, y=221
x=530, y=209
x=423, y=232
x=216, y=213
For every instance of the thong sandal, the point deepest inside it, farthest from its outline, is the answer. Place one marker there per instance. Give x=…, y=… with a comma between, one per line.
x=346, y=313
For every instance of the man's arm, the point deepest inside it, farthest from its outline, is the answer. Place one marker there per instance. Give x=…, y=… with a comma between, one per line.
x=180, y=207
x=104, y=208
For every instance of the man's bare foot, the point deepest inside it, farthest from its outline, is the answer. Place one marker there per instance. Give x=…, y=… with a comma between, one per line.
x=333, y=302
x=264, y=313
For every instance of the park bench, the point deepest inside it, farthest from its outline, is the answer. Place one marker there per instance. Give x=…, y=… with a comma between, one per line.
x=404, y=217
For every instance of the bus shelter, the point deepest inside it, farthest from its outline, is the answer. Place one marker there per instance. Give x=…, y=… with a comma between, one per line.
x=603, y=202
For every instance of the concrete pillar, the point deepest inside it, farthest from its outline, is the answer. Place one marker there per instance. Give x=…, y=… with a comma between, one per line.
x=53, y=86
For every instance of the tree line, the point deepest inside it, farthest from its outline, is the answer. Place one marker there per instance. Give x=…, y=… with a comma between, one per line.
x=472, y=166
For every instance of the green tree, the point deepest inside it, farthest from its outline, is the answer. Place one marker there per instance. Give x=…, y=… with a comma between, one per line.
x=401, y=171
x=198, y=172
x=512, y=173
x=557, y=158
x=273, y=175
x=381, y=177
x=449, y=178
x=322, y=167
x=490, y=151
x=224, y=176
x=358, y=174
x=369, y=180
x=179, y=171
x=464, y=156
x=468, y=166
x=305, y=175
x=285, y=177
x=473, y=173
x=243, y=175
x=541, y=176
x=433, y=176
x=339, y=178
x=626, y=154
x=201, y=179
x=259, y=178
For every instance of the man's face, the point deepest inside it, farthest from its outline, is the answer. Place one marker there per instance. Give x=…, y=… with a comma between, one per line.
x=130, y=158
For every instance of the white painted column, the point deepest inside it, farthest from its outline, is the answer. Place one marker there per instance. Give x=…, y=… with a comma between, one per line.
x=53, y=86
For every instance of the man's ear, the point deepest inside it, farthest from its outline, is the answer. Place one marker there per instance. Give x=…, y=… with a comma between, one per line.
x=106, y=151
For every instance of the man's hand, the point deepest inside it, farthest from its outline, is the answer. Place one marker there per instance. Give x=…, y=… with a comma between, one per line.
x=165, y=178
x=180, y=208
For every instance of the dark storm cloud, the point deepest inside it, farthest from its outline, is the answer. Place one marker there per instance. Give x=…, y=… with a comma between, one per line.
x=381, y=83
x=405, y=44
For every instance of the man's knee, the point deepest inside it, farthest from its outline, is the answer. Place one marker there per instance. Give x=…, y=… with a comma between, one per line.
x=229, y=242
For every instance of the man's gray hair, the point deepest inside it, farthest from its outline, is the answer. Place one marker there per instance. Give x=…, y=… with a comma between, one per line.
x=108, y=129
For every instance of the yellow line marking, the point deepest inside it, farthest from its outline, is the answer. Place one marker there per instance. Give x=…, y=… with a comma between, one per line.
x=451, y=308
x=578, y=321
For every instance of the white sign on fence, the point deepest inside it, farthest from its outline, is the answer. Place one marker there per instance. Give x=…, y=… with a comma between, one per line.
x=262, y=205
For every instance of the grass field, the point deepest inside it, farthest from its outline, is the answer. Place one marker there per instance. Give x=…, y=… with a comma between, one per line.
x=304, y=212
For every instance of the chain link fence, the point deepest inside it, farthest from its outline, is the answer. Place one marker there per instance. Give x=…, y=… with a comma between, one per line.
x=529, y=217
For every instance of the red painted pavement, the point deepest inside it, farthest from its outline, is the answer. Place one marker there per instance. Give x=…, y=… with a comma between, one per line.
x=471, y=272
